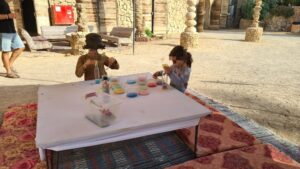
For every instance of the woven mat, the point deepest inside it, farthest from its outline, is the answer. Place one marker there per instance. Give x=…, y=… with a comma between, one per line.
x=155, y=152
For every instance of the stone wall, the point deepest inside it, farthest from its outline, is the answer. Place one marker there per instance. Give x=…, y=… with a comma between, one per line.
x=160, y=17
x=279, y=23
x=296, y=17
x=42, y=14
x=224, y=13
x=216, y=14
x=124, y=13
x=62, y=2
x=90, y=12
x=176, y=16
x=147, y=10
x=108, y=15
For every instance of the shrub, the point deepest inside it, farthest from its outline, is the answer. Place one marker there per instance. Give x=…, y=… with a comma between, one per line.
x=267, y=6
x=148, y=32
x=289, y=2
x=285, y=11
x=247, y=9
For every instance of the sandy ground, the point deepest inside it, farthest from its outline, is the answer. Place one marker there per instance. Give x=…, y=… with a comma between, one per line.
x=258, y=80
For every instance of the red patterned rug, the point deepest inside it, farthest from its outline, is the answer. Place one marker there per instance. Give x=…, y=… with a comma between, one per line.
x=230, y=145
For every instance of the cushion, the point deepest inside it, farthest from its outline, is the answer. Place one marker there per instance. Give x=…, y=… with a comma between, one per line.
x=216, y=133
x=38, y=38
x=261, y=156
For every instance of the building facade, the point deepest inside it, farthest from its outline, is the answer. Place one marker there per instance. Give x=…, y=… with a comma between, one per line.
x=159, y=16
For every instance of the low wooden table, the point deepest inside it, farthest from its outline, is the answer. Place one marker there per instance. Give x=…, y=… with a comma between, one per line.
x=61, y=122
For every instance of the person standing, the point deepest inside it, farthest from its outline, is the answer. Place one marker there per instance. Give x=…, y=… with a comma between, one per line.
x=10, y=41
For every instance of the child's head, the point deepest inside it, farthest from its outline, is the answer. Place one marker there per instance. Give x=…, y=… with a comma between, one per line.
x=180, y=56
x=93, y=41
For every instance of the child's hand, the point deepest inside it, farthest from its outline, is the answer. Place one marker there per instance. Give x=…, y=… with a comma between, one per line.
x=155, y=75
x=111, y=61
x=167, y=70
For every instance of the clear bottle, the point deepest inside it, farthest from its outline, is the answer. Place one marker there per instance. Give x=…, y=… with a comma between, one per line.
x=105, y=85
x=96, y=73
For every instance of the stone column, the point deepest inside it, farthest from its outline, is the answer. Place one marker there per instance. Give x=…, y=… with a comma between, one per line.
x=139, y=18
x=81, y=17
x=190, y=38
x=254, y=33
x=139, y=21
x=201, y=13
x=77, y=39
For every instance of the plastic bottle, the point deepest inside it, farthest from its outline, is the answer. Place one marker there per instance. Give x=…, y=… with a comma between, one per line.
x=96, y=73
x=105, y=85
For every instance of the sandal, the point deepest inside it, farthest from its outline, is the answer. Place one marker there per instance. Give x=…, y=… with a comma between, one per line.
x=13, y=70
x=12, y=75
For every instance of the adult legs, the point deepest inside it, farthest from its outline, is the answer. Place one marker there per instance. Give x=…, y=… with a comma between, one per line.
x=6, y=63
x=15, y=54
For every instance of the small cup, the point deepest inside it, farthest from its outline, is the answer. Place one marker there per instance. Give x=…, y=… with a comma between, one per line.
x=97, y=81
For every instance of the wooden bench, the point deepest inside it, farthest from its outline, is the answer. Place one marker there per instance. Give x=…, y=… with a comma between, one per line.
x=119, y=35
x=57, y=32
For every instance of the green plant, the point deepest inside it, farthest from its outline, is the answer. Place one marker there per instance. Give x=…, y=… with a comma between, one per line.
x=267, y=6
x=148, y=32
x=289, y=2
x=285, y=11
x=247, y=9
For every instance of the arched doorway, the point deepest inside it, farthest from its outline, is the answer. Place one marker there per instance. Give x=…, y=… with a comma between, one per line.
x=215, y=14
x=28, y=13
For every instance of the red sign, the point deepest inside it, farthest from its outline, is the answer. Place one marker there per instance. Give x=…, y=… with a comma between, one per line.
x=62, y=15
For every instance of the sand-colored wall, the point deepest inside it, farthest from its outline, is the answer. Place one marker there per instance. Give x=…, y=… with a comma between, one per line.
x=176, y=15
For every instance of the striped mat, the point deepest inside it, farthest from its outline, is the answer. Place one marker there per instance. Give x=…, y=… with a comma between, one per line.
x=155, y=152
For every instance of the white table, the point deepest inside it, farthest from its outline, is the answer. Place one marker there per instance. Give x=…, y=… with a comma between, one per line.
x=61, y=122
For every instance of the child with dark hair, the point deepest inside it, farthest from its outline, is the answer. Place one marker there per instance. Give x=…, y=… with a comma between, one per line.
x=86, y=63
x=179, y=72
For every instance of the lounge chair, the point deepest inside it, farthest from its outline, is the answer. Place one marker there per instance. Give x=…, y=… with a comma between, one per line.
x=119, y=35
x=35, y=43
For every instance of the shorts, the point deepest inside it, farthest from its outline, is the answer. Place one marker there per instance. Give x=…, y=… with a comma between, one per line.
x=10, y=41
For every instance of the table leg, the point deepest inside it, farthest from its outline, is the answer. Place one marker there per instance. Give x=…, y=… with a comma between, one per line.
x=57, y=159
x=42, y=153
x=196, y=141
x=49, y=159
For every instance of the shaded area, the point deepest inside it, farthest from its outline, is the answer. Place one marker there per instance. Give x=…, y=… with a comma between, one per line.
x=155, y=151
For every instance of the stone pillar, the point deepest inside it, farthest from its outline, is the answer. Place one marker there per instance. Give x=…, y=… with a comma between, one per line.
x=254, y=33
x=190, y=38
x=81, y=17
x=139, y=18
x=139, y=21
x=201, y=13
x=77, y=39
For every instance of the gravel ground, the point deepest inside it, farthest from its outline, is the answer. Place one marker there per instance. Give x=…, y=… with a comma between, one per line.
x=258, y=80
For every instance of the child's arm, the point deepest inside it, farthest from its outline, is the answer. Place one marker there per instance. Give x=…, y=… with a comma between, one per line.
x=156, y=74
x=180, y=80
x=111, y=63
x=81, y=66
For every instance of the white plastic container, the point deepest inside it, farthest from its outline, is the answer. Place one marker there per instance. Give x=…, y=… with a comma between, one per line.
x=101, y=108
